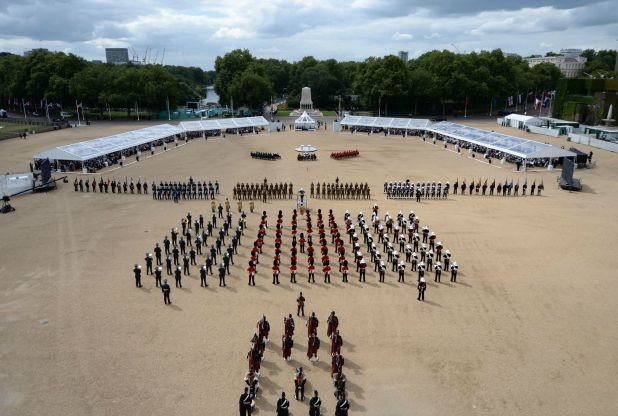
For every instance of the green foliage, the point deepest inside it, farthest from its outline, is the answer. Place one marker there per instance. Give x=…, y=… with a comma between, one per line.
x=63, y=79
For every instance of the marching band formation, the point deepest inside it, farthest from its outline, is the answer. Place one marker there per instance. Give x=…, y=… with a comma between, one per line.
x=344, y=154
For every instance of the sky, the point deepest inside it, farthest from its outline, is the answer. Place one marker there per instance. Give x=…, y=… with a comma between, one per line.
x=194, y=33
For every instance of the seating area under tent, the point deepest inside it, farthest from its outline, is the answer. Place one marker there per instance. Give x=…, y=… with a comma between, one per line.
x=386, y=125
x=217, y=127
x=304, y=123
x=92, y=155
x=496, y=145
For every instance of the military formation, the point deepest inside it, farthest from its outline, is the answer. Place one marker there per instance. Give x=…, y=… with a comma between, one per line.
x=265, y=155
x=263, y=191
x=505, y=188
x=255, y=356
x=338, y=190
x=113, y=185
x=191, y=189
x=180, y=253
x=408, y=190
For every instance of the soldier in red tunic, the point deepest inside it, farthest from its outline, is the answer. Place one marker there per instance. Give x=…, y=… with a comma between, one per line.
x=313, y=347
x=287, y=344
x=336, y=343
x=312, y=324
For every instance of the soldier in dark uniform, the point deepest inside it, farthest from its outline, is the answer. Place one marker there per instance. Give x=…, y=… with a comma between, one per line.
x=166, y=245
x=244, y=403
x=185, y=265
x=178, y=276
x=192, y=255
x=209, y=265
x=222, y=275
x=301, y=305
x=137, y=271
x=148, y=260
x=157, y=251
x=176, y=254
x=203, y=276
x=158, y=273
x=422, y=286
x=314, y=404
x=168, y=265
x=454, y=269
x=165, y=288
x=342, y=407
x=283, y=406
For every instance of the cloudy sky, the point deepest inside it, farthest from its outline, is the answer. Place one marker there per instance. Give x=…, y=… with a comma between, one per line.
x=195, y=32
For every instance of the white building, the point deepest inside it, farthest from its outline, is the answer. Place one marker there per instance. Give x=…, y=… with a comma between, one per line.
x=117, y=55
x=570, y=62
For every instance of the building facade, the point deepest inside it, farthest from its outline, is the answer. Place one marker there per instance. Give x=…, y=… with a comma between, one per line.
x=403, y=55
x=570, y=62
x=117, y=55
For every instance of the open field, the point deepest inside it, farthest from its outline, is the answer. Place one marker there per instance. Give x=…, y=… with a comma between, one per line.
x=528, y=329
x=11, y=129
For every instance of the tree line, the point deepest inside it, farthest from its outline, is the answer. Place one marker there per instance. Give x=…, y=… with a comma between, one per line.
x=61, y=79
x=436, y=82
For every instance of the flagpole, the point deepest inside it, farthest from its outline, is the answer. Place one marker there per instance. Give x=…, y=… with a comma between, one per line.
x=24, y=106
x=167, y=102
x=77, y=110
x=137, y=110
x=47, y=110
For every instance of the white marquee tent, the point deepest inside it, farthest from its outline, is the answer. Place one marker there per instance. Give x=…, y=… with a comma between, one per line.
x=223, y=124
x=516, y=146
x=385, y=122
x=304, y=122
x=91, y=149
x=520, y=121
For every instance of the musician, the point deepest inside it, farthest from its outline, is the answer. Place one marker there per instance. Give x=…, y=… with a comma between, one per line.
x=287, y=344
x=299, y=384
x=422, y=286
x=336, y=343
x=253, y=382
x=283, y=406
x=263, y=327
x=454, y=269
x=314, y=404
x=137, y=271
x=313, y=347
x=300, y=301
x=244, y=403
x=342, y=407
x=337, y=364
x=339, y=381
x=312, y=324
x=333, y=323
x=438, y=271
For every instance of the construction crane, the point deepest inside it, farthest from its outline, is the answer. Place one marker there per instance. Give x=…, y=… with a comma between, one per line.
x=456, y=48
x=163, y=56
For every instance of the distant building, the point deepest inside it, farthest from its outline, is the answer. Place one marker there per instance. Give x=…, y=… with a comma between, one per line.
x=403, y=55
x=97, y=61
x=31, y=51
x=117, y=55
x=570, y=62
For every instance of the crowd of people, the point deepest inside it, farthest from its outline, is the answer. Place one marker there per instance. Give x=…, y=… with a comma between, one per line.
x=265, y=155
x=344, y=154
x=263, y=191
x=191, y=189
x=338, y=190
x=114, y=158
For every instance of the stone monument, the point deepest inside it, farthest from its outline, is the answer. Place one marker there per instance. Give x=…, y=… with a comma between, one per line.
x=306, y=104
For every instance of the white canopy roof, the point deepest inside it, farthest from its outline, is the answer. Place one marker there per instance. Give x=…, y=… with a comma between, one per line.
x=524, y=119
x=304, y=118
x=223, y=123
x=516, y=146
x=385, y=122
x=90, y=149
x=305, y=148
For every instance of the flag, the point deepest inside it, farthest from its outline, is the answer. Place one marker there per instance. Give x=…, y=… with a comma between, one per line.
x=485, y=184
x=546, y=101
x=494, y=182
x=537, y=103
x=519, y=99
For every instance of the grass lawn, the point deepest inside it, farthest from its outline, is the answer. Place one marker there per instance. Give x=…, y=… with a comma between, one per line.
x=283, y=113
x=10, y=129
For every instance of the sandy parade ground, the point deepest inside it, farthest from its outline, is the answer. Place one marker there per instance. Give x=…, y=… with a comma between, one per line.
x=528, y=329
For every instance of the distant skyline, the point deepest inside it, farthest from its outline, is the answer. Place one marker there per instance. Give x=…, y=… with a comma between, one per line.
x=194, y=33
